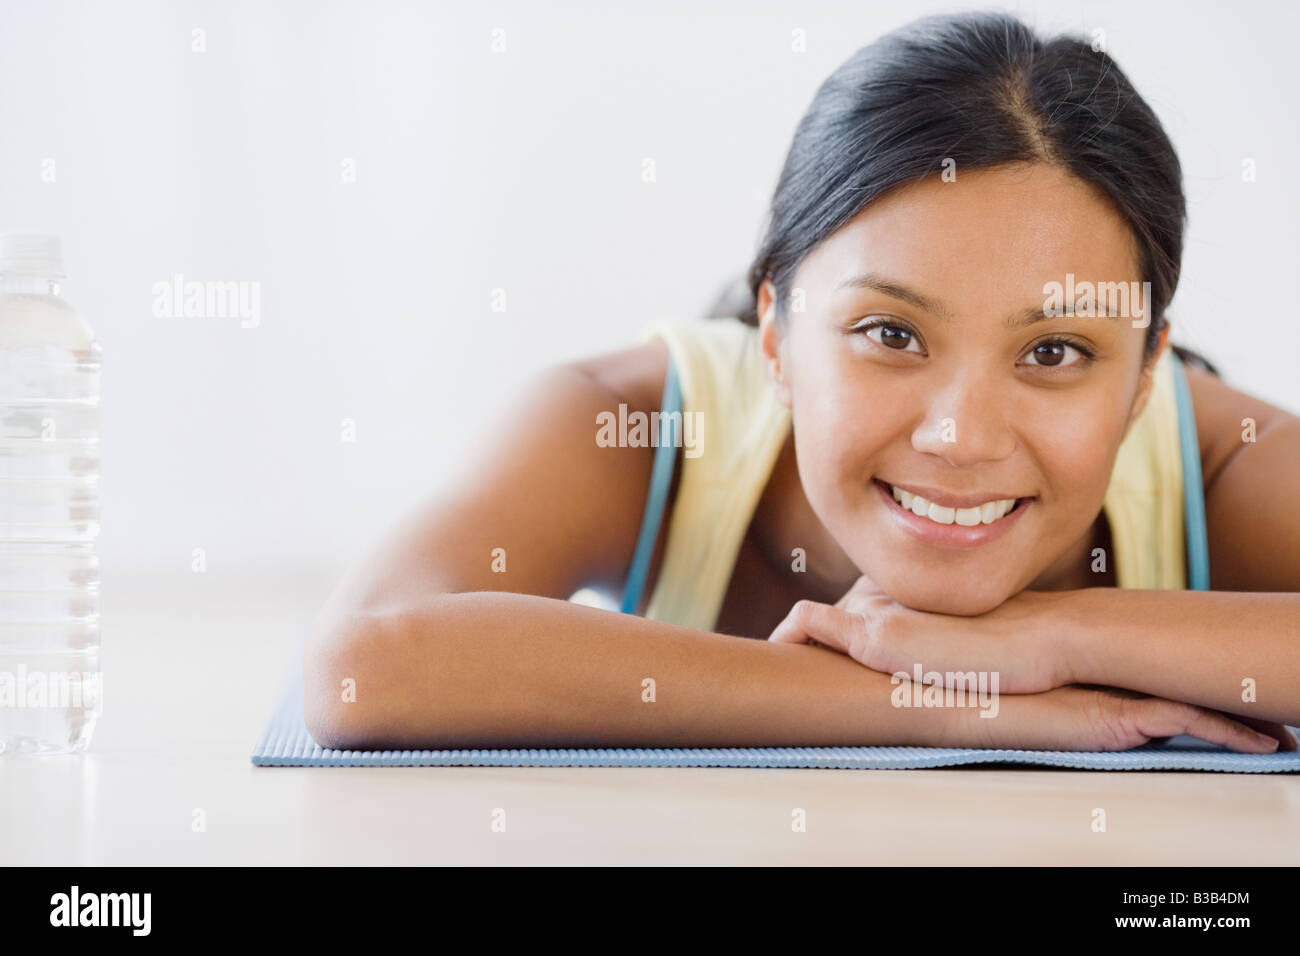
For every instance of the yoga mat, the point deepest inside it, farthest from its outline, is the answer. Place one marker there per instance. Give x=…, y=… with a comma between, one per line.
x=286, y=743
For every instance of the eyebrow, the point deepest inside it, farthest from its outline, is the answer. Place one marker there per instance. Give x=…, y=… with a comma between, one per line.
x=896, y=290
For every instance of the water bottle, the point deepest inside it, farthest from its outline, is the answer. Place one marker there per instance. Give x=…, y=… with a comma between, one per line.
x=49, y=506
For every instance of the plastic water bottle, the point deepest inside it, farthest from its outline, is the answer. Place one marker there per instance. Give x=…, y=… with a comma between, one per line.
x=49, y=506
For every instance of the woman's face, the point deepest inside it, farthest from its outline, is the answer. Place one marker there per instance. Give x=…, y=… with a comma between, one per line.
x=918, y=355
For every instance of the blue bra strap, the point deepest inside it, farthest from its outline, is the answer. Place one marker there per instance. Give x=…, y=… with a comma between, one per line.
x=1198, y=547
x=661, y=478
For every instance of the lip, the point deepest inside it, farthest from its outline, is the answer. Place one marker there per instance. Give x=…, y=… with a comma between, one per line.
x=950, y=535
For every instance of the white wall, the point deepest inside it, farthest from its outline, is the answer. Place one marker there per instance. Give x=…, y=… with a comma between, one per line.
x=475, y=170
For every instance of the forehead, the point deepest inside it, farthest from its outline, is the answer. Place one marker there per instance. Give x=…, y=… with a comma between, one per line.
x=990, y=238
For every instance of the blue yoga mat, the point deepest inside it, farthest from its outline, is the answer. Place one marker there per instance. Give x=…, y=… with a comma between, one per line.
x=286, y=743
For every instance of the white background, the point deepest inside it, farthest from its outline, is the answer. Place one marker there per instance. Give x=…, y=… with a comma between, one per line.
x=519, y=170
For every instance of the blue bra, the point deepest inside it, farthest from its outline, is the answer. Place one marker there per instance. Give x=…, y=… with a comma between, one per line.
x=1198, y=549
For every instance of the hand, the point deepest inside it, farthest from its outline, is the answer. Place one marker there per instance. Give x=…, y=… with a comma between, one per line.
x=1016, y=641
x=1090, y=718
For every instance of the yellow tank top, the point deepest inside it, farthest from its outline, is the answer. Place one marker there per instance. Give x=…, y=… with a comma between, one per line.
x=743, y=428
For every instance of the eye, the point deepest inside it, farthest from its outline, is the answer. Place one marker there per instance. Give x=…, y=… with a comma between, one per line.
x=892, y=335
x=1054, y=353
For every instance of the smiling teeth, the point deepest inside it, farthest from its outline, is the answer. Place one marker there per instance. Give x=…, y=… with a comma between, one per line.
x=986, y=513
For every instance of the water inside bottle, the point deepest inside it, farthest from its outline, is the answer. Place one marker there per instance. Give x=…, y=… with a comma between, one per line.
x=50, y=685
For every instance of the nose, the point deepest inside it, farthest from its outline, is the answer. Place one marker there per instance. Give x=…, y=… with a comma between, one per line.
x=966, y=421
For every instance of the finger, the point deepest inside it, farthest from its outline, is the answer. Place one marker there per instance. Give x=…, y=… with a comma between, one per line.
x=1234, y=733
x=790, y=630
x=811, y=621
x=1280, y=732
x=1156, y=718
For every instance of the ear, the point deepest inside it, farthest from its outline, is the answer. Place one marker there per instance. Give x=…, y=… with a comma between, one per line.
x=1148, y=379
x=770, y=341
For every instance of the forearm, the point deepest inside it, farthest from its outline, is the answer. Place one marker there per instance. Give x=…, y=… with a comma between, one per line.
x=1202, y=647
x=496, y=669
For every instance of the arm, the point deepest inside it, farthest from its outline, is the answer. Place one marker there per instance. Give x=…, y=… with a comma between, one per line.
x=1020, y=650
x=1194, y=646
x=511, y=670
x=1199, y=646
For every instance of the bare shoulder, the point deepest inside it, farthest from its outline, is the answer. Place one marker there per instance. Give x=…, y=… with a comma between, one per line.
x=1223, y=413
x=634, y=374
x=1250, y=454
x=533, y=485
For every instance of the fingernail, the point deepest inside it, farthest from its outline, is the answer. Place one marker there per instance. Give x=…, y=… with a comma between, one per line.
x=1269, y=742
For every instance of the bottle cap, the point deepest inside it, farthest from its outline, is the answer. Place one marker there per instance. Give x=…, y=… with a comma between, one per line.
x=25, y=254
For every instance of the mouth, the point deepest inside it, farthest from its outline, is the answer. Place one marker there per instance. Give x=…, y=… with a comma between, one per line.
x=968, y=525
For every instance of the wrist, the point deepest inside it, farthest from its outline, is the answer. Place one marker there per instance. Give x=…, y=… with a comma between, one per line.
x=969, y=726
x=1077, y=635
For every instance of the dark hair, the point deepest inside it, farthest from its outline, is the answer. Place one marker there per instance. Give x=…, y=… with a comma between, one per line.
x=981, y=89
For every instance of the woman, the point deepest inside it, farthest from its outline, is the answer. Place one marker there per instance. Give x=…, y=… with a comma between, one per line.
x=920, y=448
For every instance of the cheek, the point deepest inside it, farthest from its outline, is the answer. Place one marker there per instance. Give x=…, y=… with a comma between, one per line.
x=1074, y=445
x=838, y=439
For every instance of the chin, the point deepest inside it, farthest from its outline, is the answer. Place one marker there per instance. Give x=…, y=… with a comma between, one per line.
x=937, y=599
